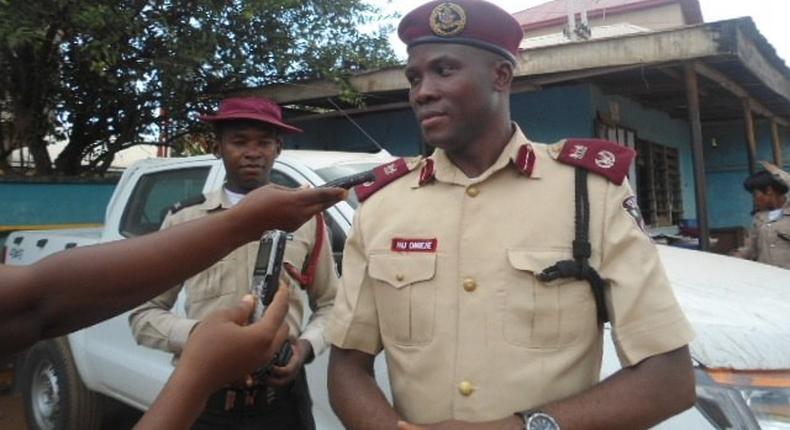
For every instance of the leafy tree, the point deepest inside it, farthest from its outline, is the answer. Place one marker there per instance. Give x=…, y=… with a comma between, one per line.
x=100, y=73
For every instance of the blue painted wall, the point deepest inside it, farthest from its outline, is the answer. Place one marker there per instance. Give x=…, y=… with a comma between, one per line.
x=396, y=130
x=38, y=202
x=555, y=113
x=657, y=127
x=726, y=166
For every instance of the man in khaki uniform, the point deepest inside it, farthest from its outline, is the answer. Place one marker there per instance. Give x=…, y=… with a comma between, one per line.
x=769, y=238
x=440, y=269
x=248, y=133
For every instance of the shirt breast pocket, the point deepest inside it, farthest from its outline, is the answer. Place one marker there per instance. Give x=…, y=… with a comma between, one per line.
x=544, y=315
x=218, y=280
x=405, y=301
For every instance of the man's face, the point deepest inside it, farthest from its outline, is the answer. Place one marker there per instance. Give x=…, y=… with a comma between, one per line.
x=767, y=200
x=451, y=92
x=248, y=150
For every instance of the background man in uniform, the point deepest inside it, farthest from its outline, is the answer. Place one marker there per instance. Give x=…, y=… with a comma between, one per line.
x=79, y=287
x=769, y=238
x=440, y=266
x=248, y=140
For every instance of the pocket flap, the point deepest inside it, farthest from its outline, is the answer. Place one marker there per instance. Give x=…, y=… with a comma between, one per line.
x=535, y=261
x=402, y=270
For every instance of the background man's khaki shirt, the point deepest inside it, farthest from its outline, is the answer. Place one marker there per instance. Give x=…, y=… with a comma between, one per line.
x=769, y=241
x=156, y=325
x=468, y=330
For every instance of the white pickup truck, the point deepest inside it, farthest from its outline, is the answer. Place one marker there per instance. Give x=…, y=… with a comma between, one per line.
x=739, y=309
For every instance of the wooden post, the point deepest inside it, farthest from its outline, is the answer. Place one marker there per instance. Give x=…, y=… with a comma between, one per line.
x=700, y=188
x=778, y=160
x=751, y=139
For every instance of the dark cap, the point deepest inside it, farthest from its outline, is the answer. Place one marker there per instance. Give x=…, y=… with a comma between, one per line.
x=254, y=108
x=470, y=22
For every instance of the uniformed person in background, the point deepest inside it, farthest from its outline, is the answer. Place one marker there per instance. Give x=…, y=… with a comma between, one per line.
x=441, y=266
x=768, y=240
x=248, y=132
x=79, y=287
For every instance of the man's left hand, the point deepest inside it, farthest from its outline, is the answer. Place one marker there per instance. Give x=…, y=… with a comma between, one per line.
x=508, y=423
x=281, y=376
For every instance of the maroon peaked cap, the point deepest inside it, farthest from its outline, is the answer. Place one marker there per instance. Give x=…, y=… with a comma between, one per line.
x=471, y=22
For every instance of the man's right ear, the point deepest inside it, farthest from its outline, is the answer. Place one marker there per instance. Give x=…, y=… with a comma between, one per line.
x=215, y=148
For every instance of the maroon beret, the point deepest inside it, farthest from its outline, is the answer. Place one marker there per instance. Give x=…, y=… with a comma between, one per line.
x=471, y=22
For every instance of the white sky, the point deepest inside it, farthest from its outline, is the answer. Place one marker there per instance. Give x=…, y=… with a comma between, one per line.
x=770, y=16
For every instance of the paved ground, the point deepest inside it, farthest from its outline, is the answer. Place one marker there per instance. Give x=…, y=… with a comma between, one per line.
x=11, y=415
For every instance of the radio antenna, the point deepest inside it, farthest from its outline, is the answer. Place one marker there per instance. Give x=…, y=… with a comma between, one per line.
x=348, y=117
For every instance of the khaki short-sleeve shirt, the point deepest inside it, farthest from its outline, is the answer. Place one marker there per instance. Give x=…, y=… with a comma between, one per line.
x=155, y=324
x=441, y=276
x=769, y=239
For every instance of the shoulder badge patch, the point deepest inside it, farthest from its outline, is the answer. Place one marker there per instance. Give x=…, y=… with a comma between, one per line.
x=599, y=156
x=191, y=201
x=384, y=175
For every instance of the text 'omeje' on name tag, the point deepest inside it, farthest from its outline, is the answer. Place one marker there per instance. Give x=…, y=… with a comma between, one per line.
x=414, y=245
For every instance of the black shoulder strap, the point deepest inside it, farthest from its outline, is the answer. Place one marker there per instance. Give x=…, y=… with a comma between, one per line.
x=579, y=267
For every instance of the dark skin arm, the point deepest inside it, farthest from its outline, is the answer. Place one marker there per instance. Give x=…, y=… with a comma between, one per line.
x=82, y=286
x=353, y=393
x=636, y=397
x=204, y=368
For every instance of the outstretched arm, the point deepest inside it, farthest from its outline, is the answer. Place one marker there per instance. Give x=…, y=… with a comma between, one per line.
x=79, y=287
x=205, y=368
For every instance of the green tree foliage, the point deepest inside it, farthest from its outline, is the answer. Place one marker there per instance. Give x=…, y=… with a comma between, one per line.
x=98, y=73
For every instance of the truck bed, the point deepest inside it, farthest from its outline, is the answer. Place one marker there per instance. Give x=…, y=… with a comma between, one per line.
x=28, y=246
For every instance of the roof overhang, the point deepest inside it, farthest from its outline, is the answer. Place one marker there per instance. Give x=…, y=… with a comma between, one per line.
x=733, y=57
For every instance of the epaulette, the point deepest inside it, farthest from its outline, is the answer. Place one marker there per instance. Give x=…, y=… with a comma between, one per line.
x=385, y=174
x=603, y=157
x=190, y=201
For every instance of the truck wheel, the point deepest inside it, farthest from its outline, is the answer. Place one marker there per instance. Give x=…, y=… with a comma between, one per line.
x=54, y=395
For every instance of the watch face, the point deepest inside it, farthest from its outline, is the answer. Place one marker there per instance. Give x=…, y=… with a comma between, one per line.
x=541, y=421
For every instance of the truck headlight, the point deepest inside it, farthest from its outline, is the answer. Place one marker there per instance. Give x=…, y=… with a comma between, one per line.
x=756, y=400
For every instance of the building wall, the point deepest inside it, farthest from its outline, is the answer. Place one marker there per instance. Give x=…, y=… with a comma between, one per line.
x=659, y=18
x=726, y=166
x=657, y=127
x=36, y=203
x=555, y=113
x=395, y=130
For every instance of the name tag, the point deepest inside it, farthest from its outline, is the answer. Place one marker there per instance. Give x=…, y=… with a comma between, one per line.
x=414, y=245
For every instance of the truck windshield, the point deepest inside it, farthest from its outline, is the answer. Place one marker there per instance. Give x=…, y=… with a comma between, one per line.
x=334, y=172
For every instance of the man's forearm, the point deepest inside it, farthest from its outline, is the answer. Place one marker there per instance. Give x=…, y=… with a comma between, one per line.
x=116, y=276
x=637, y=397
x=354, y=394
x=178, y=405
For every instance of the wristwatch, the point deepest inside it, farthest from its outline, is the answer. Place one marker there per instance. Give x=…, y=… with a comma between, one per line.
x=539, y=420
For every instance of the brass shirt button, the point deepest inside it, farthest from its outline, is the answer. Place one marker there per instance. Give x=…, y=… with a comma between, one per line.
x=472, y=191
x=466, y=388
x=470, y=285
x=399, y=277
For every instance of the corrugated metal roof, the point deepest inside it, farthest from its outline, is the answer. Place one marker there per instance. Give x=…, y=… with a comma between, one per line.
x=555, y=12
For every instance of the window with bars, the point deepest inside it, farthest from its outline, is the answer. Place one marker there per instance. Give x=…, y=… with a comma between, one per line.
x=658, y=184
x=655, y=175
